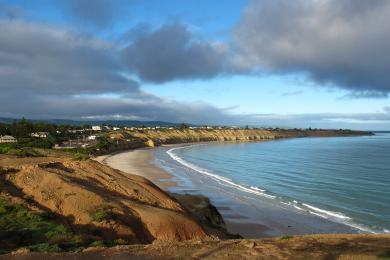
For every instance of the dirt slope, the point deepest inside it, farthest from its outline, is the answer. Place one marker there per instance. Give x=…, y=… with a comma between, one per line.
x=132, y=207
x=352, y=247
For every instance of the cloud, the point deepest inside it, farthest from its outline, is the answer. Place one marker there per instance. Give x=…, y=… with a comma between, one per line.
x=376, y=120
x=37, y=59
x=292, y=93
x=47, y=72
x=98, y=13
x=173, y=52
x=340, y=43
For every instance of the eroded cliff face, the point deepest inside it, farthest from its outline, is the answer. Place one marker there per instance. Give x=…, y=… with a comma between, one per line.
x=153, y=138
x=130, y=206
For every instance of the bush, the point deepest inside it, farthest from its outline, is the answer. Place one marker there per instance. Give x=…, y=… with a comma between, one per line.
x=29, y=198
x=45, y=247
x=385, y=255
x=80, y=157
x=5, y=148
x=97, y=243
x=22, y=228
x=286, y=237
x=24, y=152
x=101, y=214
x=121, y=241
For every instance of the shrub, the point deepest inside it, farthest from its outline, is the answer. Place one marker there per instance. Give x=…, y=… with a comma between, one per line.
x=45, y=247
x=286, y=237
x=22, y=228
x=385, y=255
x=80, y=157
x=121, y=241
x=28, y=198
x=4, y=148
x=101, y=214
x=24, y=152
x=97, y=243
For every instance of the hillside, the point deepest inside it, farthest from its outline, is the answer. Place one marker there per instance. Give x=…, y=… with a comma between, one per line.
x=318, y=247
x=94, y=201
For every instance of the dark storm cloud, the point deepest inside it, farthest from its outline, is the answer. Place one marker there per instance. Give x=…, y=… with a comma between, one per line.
x=173, y=52
x=342, y=43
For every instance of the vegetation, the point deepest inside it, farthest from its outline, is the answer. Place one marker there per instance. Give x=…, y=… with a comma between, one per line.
x=38, y=232
x=385, y=255
x=101, y=215
x=286, y=237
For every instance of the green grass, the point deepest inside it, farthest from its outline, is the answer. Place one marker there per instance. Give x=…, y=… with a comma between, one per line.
x=20, y=227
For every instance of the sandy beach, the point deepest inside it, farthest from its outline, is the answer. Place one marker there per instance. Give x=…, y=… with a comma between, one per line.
x=138, y=162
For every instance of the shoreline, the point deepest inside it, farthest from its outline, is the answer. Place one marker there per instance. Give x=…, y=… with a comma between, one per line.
x=138, y=162
x=272, y=220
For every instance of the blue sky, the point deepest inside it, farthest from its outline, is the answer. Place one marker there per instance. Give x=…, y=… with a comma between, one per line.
x=257, y=62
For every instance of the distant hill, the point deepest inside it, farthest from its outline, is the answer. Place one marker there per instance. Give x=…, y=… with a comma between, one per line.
x=97, y=122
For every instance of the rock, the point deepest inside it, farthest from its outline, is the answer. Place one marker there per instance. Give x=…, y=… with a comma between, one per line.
x=248, y=244
x=21, y=251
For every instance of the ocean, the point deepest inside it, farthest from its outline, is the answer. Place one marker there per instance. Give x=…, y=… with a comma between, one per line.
x=290, y=186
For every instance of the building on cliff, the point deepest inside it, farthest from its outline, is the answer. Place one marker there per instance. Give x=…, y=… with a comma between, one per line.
x=7, y=139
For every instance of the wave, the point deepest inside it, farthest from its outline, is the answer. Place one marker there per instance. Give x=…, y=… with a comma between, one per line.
x=326, y=214
x=252, y=189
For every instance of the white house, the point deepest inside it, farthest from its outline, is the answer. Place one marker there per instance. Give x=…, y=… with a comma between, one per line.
x=7, y=139
x=40, y=134
x=92, y=137
x=96, y=128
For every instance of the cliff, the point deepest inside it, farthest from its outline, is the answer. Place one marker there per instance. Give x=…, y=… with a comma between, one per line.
x=149, y=137
x=95, y=201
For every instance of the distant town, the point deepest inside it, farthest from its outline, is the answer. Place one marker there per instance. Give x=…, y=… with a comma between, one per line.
x=25, y=138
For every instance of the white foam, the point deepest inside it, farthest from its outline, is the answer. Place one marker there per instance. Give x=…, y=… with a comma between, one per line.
x=335, y=216
x=256, y=188
x=253, y=190
x=326, y=212
x=299, y=208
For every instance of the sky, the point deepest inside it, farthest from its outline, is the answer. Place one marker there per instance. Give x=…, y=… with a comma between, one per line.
x=279, y=63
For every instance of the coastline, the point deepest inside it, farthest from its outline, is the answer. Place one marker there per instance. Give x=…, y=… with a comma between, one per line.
x=138, y=162
x=264, y=220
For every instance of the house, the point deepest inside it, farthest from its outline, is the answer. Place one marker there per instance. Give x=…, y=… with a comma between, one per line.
x=92, y=137
x=40, y=134
x=96, y=128
x=7, y=139
x=116, y=128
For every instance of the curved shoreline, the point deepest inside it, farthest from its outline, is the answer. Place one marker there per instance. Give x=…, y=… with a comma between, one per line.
x=139, y=162
x=264, y=220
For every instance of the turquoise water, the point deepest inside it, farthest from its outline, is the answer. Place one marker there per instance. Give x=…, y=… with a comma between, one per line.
x=343, y=179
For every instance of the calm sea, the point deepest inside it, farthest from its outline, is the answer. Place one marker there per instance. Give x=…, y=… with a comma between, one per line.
x=344, y=180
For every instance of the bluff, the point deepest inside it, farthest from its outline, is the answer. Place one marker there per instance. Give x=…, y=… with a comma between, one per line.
x=151, y=137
